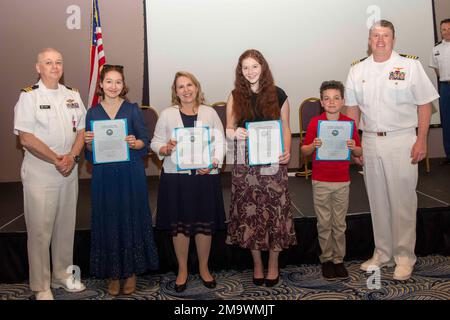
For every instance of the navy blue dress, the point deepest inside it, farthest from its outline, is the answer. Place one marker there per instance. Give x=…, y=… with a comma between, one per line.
x=122, y=240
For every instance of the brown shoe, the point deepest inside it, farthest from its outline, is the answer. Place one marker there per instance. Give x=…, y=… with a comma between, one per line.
x=113, y=287
x=129, y=286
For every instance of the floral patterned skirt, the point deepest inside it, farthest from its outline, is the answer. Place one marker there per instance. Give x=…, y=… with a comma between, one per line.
x=260, y=213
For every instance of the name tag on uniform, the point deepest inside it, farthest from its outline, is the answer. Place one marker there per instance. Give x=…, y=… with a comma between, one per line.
x=72, y=104
x=44, y=106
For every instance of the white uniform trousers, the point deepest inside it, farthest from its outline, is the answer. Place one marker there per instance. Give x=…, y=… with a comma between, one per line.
x=391, y=181
x=50, y=213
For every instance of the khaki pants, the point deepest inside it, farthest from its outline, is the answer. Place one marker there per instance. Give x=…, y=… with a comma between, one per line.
x=331, y=205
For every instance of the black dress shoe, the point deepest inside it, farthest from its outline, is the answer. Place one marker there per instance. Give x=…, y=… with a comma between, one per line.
x=180, y=287
x=258, y=281
x=209, y=284
x=328, y=270
x=272, y=282
x=340, y=271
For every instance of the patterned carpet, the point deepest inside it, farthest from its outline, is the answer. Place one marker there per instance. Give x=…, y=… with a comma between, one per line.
x=430, y=281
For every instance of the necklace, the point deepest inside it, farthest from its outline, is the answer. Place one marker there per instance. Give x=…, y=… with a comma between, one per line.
x=192, y=111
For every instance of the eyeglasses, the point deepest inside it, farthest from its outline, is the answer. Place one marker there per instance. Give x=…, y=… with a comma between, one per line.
x=112, y=66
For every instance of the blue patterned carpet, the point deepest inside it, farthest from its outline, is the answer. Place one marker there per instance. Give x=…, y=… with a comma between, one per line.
x=430, y=281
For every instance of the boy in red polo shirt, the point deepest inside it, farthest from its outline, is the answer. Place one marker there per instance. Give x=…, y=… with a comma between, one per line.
x=331, y=183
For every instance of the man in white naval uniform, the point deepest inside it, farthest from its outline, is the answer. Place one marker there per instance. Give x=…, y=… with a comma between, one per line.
x=440, y=62
x=389, y=96
x=49, y=120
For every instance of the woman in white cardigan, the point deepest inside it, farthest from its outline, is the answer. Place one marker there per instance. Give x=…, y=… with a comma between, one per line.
x=190, y=202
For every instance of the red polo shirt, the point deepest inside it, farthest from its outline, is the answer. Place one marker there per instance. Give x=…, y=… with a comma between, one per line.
x=325, y=170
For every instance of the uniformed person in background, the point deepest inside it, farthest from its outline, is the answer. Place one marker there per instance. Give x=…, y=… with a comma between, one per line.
x=440, y=62
x=389, y=95
x=49, y=119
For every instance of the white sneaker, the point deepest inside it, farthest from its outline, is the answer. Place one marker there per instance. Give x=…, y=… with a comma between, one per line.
x=44, y=295
x=402, y=272
x=375, y=262
x=69, y=285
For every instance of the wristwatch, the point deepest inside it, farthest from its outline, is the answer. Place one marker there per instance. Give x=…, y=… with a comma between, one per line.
x=76, y=159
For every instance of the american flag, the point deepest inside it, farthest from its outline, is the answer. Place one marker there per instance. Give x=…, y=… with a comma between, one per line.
x=97, y=54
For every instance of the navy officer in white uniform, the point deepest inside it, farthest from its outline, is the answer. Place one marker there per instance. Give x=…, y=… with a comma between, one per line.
x=440, y=62
x=49, y=120
x=389, y=95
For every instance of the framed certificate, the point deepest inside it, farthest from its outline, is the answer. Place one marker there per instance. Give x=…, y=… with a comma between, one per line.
x=265, y=142
x=193, y=149
x=334, y=136
x=109, y=143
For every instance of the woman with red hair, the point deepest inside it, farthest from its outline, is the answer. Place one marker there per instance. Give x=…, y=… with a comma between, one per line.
x=260, y=216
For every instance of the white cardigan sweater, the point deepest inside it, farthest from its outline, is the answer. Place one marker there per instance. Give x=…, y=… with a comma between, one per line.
x=170, y=119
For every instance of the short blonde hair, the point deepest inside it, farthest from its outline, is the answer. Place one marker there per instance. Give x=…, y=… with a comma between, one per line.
x=384, y=24
x=199, y=99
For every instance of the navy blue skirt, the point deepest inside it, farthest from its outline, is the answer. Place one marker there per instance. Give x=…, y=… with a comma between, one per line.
x=122, y=240
x=190, y=204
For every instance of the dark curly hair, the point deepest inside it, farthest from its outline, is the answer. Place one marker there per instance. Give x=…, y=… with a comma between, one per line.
x=266, y=101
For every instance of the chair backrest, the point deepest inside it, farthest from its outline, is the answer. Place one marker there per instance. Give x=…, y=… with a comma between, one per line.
x=307, y=110
x=151, y=116
x=221, y=109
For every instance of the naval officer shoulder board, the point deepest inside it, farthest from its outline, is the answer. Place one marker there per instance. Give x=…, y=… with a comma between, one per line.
x=70, y=88
x=402, y=55
x=30, y=88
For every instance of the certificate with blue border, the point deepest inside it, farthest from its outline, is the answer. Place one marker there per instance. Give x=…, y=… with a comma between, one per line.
x=193, y=149
x=334, y=136
x=265, y=142
x=109, y=143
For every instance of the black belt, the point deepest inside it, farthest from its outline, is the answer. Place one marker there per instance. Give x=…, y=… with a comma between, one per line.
x=445, y=82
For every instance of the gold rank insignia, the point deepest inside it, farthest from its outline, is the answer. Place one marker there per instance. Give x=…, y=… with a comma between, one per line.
x=30, y=88
x=409, y=56
x=70, y=88
x=358, y=61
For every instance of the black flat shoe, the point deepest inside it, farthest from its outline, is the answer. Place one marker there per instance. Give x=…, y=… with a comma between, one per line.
x=209, y=284
x=180, y=287
x=258, y=281
x=272, y=282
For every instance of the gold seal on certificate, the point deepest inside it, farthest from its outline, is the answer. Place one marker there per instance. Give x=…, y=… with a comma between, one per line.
x=334, y=136
x=265, y=142
x=193, y=150
x=109, y=143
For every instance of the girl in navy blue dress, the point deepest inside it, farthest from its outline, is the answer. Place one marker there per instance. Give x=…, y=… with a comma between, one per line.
x=122, y=243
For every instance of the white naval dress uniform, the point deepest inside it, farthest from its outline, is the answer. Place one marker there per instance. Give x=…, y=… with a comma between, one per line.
x=49, y=198
x=388, y=95
x=440, y=60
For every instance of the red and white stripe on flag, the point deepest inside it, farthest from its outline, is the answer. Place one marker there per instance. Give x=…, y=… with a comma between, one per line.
x=97, y=54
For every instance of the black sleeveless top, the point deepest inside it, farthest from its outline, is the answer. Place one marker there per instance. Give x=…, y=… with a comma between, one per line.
x=281, y=95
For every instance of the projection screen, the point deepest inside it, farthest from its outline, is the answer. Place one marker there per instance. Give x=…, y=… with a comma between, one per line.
x=305, y=42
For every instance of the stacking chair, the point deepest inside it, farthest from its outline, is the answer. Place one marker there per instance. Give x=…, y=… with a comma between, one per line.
x=427, y=164
x=151, y=117
x=221, y=109
x=308, y=109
